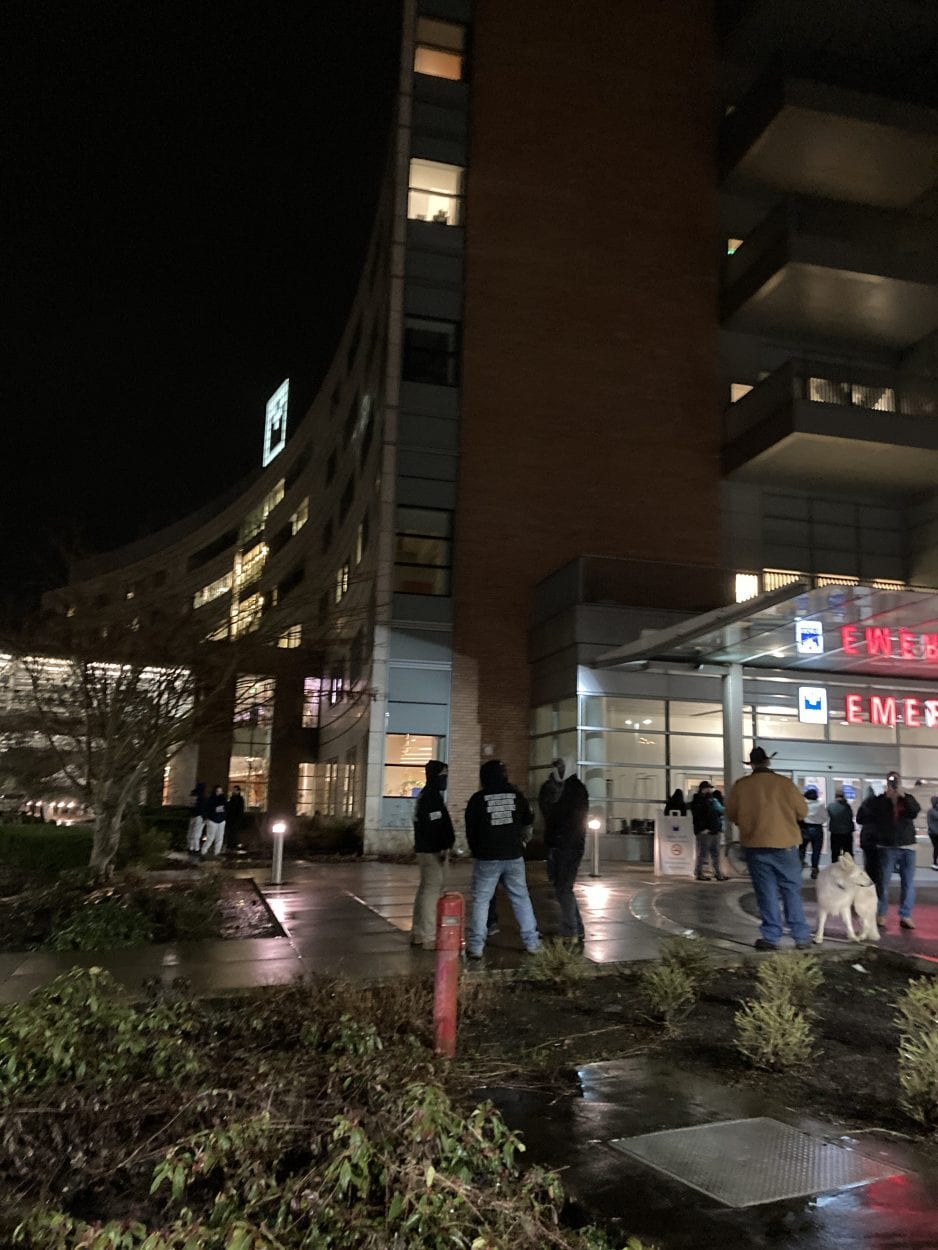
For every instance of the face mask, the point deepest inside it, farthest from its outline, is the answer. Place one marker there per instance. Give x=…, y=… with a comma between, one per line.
x=441, y=781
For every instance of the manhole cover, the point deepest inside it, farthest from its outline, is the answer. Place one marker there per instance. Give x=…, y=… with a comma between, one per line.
x=746, y=1162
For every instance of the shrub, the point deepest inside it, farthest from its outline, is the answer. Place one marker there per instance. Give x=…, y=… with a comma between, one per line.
x=918, y=1076
x=100, y=925
x=559, y=963
x=918, y=1006
x=774, y=1034
x=692, y=955
x=790, y=977
x=77, y=1030
x=45, y=848
x=325, y=835
x=144, y=847
x=669, y=990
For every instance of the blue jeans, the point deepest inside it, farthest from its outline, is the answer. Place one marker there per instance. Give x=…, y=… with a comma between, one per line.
x=813, y=837
x=903, y=858
x=776, y=872
x=486, y=874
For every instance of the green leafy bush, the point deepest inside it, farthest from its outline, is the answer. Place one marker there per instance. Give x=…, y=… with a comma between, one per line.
x=325, y=835
x=78, y=1030
x=146, y=847
x=790, y=977
x=559, y=963
x=918, y=1076
x=100, y=925
x=45, y=848
x=918, y=1006
x=774, y=1034
x=669, y=990
x=692, y=955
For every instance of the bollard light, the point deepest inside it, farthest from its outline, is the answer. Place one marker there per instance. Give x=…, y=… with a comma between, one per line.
x=279, y=831
x=594, y=824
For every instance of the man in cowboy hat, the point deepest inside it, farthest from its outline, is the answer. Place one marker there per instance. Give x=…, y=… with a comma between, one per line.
x=767, y=809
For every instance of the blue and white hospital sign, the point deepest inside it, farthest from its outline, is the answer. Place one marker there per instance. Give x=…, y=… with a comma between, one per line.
x=809, y=637
x=812, y=705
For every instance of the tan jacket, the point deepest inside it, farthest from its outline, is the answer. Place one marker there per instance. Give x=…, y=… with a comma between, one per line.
x=767, y=808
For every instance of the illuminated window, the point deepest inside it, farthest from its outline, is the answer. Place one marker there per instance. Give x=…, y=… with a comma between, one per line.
x=336, y=686
x=300, y=517
x=836, y=579
x=254, y=521
x=776, y=579
x=361, y=538
x=312, y=689
x=350, y=788
x=214, y=590
x=733, y=246
x=254, y=700
x=436, y=192
x=738, y=390
x=430, y=351
x=423, y=554
x=306, y=801
x=293, y=637
x=248, y=567
x=405, y=756
x=341, y=581
x=747, y=586
x=247, y=615
x=439, y=50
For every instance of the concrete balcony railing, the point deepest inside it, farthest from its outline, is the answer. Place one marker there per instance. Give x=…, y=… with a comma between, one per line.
x=843, y=426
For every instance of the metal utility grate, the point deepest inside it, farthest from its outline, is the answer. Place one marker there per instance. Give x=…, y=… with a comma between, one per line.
x=743, y=1163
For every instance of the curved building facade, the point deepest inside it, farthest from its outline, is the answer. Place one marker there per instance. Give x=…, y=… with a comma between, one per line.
x=607, y=342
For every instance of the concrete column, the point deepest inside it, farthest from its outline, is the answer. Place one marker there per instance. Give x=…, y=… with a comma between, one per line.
x=732, y=725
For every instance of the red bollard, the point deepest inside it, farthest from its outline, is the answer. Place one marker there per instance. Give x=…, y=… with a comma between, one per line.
x=449, y=926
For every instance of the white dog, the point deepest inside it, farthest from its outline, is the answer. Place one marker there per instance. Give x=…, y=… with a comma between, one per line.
x=843, y=886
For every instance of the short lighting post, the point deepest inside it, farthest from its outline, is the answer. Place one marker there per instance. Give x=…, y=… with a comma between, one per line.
x=594, y=825
x=279, y=831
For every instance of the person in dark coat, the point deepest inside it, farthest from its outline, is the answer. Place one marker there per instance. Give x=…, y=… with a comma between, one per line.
x=433, y=840
x=234, y=814
x=676, y=803
x=707, y=825
x=498, y=819
x=216, y=807
x=868, y=839
x=840, y=825
x=197, y=818
x=552, y=788
x=894, y=817
x=565, y=839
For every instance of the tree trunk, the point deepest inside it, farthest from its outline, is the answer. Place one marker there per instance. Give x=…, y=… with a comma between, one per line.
x=107, y=836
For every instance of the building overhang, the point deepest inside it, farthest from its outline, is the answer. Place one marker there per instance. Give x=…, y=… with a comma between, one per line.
x=858, y=630
x=814, y=139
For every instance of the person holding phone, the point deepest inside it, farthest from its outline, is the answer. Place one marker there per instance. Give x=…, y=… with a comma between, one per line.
x=893, y=816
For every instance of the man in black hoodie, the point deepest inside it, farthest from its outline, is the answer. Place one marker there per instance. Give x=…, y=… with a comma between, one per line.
x=496, y=819
x=433, y=838
x=565, y=839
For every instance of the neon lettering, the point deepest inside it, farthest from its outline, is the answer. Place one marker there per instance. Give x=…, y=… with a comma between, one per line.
x=930, y=648
x=848, y=639
x=907, y=644
x=854, y=709
x=878, y=641
x=883, y=710
x=931, y=713
x=912, y=713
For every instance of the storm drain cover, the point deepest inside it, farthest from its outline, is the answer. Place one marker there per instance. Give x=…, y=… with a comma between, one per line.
x=742, y=1163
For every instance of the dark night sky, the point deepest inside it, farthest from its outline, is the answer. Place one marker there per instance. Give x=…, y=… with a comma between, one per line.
x=188, y=193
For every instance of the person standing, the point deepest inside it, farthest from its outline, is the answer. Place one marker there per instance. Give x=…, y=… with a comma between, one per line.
x=565, y=839
x=894, y=817
x=433, y=840
x=707, y=825
x=933, y=831
x=552, y=788
x=812, y=828
x=767, y=809
x=868, y=838
x=197, y=819
x=216, y=807
x=841, y=826
x=497, y=817
x=234, y=814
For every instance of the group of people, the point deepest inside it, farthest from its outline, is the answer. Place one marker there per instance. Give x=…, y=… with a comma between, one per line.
x=707, y=809
x=211, y=815
x=499, y=823
x=778, y=825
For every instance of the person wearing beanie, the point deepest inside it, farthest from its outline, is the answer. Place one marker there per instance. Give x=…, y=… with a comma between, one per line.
x=497, y=819
x=433, y=840
x=767, y=809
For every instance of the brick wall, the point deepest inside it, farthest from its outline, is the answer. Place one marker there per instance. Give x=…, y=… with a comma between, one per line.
x=590, y=420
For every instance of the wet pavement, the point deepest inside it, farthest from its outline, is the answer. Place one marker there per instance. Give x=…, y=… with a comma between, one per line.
x=632, y=1097
x=353, y=919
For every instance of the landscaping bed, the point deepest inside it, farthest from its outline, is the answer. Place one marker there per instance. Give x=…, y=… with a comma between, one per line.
x=70, y=914
x=317, y=1111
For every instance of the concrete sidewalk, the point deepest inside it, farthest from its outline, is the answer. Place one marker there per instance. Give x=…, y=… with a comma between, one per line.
x=353, y=919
